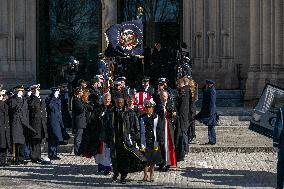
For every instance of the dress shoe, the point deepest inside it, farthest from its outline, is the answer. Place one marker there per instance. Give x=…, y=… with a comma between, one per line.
x=4, y=164
x=55, y=158
x=106, y=172
x=63, y=143
x=114, y=177
x=210, y=143
x=123, y=180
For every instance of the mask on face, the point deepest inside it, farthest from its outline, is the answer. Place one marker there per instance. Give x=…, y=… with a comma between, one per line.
x=56, y=94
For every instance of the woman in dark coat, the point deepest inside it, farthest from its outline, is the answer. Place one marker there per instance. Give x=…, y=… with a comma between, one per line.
x=79, y=119
x=38, y=120
x=182, y=120
x=5, y=142
x=149, y=139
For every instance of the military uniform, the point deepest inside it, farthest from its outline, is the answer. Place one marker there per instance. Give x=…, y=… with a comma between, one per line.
x=5, y=142
x=20, y=127
x=208, y=114
x=38, y=120
x=55, y=124
x=278, y=142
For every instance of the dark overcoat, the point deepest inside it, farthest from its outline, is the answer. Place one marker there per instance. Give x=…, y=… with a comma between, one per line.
x=54, y=118
x=79, y=113
x=183, y=107
x=38, y=116
x=66, y=116
x=208, y=114
x=159, y=109
x=5, y=141
x=20, y=126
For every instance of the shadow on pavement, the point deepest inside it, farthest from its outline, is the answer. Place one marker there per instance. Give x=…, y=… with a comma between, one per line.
x=236, y=178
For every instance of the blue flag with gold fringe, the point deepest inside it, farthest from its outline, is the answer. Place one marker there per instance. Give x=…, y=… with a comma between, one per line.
x=126, y=38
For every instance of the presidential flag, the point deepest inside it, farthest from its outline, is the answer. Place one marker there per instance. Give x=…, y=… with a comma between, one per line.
x=126, y=38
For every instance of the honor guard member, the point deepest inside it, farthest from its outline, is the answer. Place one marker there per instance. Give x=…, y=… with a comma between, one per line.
x=55, y=123
x=21, y=130
x=208, y=114
x=278, y=143
x=146, y=87
x=38, y=120
x=5, y=142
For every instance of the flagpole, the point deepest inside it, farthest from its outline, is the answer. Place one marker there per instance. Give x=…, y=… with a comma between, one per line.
x=139, y=16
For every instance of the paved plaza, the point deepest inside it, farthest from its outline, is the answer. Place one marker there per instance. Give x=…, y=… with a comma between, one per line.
x=199, y=170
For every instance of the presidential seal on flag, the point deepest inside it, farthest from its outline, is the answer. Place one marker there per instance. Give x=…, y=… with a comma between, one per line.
x=127, y=37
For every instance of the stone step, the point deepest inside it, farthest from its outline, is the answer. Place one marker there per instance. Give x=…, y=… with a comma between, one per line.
x=226, y=98
x=230, y=121
x=239, y=139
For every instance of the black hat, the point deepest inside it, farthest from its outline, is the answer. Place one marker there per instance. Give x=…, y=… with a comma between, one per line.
x=146, y=78
x=208, y=81
x=122, y=78
x=55, y=89
x=117, y=82
x=163, y=80
x=34, y=87
x=19, y=88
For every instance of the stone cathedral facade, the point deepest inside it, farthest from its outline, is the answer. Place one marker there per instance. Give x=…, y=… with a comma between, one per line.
x=237, y=43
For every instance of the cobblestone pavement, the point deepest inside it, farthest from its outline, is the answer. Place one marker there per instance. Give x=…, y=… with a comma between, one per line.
x=199, y=170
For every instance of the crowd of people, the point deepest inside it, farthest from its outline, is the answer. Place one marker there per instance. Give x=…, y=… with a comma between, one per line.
x=126, y=130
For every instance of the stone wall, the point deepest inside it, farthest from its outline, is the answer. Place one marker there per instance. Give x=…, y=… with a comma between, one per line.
x=266, y=46
x=17, y=42
x=217, y=33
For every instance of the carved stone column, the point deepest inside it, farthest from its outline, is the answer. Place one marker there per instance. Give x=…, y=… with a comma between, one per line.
x=262, y=48
x=18, y=42
x=109, y=17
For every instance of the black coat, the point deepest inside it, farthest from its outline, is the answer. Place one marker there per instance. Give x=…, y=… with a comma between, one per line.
x=20, y=126
x=54, y=116
x=183, y=106
x=38, y=116
x=79, y=114
x=208, y=114
x=5, y=141
x=159, y=109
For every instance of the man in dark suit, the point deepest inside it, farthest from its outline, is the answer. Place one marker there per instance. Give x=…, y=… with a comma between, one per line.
x=5, y=142
x=38, y=120
x=21, y=130
x=79, y=119
x=208, y=114
x=278, y=143
x=55, y=123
